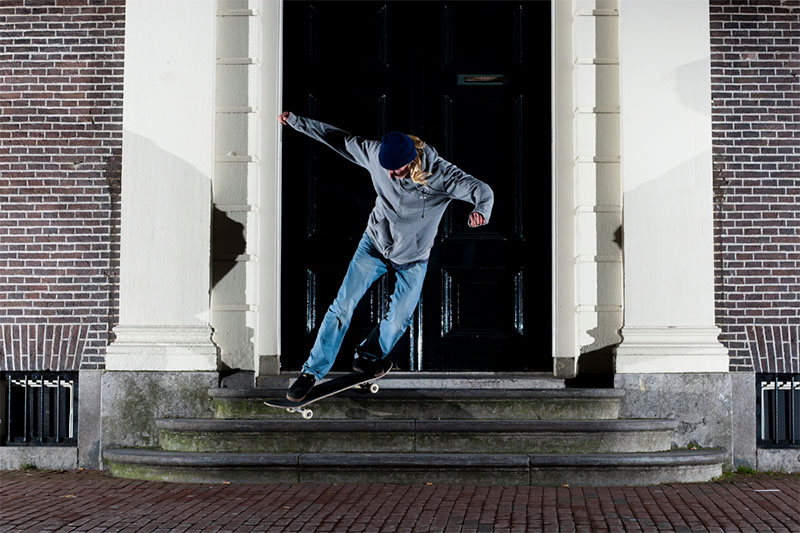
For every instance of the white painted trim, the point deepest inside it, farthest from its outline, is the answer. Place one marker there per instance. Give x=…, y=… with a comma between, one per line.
x=564, y=316
x=553, y=203
x=270, y=212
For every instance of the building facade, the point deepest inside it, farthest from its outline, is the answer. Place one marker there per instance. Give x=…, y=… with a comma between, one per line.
x=143, y=205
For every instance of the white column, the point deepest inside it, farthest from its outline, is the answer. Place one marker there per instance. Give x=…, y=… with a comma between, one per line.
x=167, y=165
x=667, y=189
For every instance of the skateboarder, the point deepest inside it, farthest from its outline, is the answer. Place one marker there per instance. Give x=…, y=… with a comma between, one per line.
x=414, y=187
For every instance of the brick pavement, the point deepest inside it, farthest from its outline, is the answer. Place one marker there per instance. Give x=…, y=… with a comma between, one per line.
x=92, y=502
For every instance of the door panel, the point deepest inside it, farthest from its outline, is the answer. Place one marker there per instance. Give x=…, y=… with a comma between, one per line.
x=466, y=77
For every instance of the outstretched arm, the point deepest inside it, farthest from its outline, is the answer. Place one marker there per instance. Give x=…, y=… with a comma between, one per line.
x=352, y=148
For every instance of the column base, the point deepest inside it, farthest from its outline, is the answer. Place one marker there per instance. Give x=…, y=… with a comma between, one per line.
x=162, y=348
x=565, y=367
x=269, y=365
x=670, y=349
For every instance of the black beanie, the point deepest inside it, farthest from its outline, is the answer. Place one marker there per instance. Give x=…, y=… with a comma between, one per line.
x=397, y=150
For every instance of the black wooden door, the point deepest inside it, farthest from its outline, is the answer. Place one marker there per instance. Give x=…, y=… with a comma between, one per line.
x=473, y=80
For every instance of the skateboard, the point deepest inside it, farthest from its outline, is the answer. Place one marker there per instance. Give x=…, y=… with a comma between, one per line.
x=354, y=380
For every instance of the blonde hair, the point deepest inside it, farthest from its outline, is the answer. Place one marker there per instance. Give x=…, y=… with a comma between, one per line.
x=416, y=171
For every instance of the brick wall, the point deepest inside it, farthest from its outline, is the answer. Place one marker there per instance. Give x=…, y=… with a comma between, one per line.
x=61, y=67
x=755, y=62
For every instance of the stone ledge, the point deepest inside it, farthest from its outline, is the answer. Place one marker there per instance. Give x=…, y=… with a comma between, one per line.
x=282, y=426
x=441, y=380
x=493, y=469
x=482, y=426
x=438, y=394
x=670, y=458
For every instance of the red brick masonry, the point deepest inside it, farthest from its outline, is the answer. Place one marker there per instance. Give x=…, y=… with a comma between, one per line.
x=755, y=84
x=61, y=67
x=90, y=501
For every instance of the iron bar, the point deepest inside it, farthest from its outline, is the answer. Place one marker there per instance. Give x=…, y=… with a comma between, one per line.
x=8, y=408
x=25, y=390
x=776, y=413
x=58, y=408
x=41, y=408
x=793, y=437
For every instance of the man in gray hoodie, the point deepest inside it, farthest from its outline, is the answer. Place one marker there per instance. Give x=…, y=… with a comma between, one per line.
x=414, y=186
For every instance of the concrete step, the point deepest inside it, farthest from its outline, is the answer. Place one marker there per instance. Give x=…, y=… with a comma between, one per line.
x=431, y=404
x=440, y=380
x=448, y=468
x=420, y=436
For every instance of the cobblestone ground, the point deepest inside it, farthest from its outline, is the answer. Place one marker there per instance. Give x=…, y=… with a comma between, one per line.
x=93, y=502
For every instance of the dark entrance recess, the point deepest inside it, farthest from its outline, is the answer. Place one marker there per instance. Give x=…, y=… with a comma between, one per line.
x=473, y=80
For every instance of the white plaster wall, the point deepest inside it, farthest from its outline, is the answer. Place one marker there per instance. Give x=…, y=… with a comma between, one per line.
x=666, y=162
x=168, y=161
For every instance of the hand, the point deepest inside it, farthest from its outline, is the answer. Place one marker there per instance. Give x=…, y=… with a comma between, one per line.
x=283, y=118
x=475, y=220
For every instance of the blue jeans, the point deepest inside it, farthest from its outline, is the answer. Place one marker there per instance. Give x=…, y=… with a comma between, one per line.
x=366, y=266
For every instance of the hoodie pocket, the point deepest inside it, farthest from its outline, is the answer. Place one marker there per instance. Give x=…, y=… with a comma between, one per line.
x=381, y=234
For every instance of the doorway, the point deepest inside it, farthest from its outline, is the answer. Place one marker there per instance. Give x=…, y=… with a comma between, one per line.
x=473, y=80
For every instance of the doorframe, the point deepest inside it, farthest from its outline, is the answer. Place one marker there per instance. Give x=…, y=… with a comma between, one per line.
x=563, y=346
x=269, y=348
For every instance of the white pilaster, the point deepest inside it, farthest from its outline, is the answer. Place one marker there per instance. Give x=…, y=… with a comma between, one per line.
x=667, y=189
x=588, y=204
x=237, y=182
x=168, y=162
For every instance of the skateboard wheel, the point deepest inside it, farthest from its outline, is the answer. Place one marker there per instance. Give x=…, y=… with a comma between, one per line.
x=373, y=388
x=307, y=414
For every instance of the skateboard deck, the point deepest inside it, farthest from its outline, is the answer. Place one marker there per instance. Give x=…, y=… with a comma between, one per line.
x=365, y=382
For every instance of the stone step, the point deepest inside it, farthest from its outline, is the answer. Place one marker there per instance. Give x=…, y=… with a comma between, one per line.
x=443, y=468
x=440, y=380
x=421, y=436
x=431, y=404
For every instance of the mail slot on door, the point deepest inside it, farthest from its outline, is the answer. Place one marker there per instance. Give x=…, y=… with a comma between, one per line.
x=480, y=79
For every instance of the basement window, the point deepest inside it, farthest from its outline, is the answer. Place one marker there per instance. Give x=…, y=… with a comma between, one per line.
x=39, y=408
x=778, y=410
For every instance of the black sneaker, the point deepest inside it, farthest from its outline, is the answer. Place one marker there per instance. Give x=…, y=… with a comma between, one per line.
x=370, y=366
x=300, y=388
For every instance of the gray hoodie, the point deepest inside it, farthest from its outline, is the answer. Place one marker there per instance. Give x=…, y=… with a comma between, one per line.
x=405, y=219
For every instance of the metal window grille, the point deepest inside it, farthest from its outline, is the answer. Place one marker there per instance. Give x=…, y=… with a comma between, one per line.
x=40, y=408
x=778, y=410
